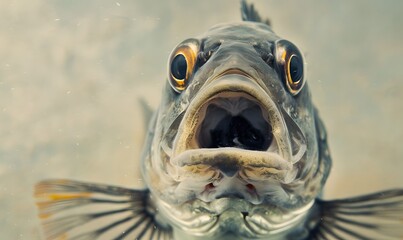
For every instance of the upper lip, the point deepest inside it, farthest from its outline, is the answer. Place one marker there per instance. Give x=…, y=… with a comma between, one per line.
x=233, y=71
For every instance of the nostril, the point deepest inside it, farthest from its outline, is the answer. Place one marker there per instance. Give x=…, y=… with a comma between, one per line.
x=250, y=187
x=209, y=187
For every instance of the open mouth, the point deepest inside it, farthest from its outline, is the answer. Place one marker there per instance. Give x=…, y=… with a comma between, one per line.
x=234, y=119
x=232, y=142
x=231, y=126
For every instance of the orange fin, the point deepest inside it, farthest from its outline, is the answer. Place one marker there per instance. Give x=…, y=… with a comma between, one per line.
x=76, y=210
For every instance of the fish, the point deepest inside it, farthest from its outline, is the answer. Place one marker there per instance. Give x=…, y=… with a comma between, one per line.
x=236, y=150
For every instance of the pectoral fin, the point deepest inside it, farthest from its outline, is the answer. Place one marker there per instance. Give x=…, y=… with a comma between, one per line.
x=76, y=210
x=374, y=216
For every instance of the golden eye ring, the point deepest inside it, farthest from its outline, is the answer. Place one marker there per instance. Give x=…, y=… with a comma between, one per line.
x=291, y=66
x=182, y=63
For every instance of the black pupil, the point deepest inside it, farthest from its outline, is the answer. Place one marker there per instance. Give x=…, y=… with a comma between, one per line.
x=295, y=68
x=179, y=67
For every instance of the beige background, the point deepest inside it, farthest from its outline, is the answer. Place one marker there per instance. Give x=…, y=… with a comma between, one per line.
x=71, y=74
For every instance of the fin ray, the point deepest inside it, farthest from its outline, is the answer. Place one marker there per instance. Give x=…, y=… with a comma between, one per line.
x=372, y=216
x=77, y=210
x=249, y=13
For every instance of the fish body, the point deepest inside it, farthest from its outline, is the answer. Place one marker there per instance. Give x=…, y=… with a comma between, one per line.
x=236, y=150
x=239, y=84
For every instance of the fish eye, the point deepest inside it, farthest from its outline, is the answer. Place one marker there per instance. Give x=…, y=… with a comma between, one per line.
x=179, y=67
x=290, y=65
x=181, y=64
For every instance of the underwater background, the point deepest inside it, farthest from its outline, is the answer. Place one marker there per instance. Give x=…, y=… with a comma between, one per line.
x=72, y=73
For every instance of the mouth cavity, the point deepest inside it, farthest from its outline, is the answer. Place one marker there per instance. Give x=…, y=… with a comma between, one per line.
x=234, y=119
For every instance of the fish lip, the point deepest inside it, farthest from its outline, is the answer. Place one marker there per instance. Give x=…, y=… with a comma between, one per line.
x=243, y=160
x=235, y=71
x=213, y=174
x=185, y=158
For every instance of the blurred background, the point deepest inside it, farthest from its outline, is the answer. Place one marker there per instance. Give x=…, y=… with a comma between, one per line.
x=72, y=73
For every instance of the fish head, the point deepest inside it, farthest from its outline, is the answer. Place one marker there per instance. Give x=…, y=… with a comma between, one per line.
x=237, y=145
